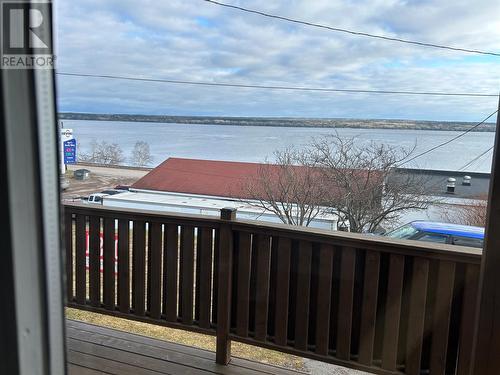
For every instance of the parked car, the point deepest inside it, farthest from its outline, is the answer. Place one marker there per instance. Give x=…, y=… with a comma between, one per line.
x=455, y=234
x=122, y=187
x=111, y=191
x=95, y=198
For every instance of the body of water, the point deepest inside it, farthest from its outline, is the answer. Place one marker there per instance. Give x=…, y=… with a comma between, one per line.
x=256, y=143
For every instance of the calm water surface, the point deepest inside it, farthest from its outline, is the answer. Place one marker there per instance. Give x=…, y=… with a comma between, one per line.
x=256, y=143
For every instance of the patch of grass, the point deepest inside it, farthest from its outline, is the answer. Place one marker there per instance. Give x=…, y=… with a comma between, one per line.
x=198, y=340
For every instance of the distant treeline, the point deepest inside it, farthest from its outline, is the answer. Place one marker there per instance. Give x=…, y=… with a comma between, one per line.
x=283, y=122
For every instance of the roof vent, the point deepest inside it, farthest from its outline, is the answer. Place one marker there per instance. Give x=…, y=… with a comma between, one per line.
x=450, y=185
x=466, y=181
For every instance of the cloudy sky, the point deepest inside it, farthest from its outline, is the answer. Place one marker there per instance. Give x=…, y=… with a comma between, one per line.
x=197, y=41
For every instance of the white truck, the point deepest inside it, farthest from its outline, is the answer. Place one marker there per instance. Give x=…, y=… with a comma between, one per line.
x=195, y=204
x=98, y=198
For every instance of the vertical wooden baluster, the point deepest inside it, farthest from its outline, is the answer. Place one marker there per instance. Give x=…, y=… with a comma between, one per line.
x=243, y=291
x=80, y=267
x=155, y=251
x=139, y=267
x=393, y=312
x=197, y=283
x=225, y=270
x=303, y=295
x=109, y=264
x=187, y=272
x=95, y=260
x=441, y=317
x=325, y=275
x=416, y=319
x=124, y=265
x=282, y=291
x=262, y=286
x=369, y=307
x=148, y=267
x=215, y=283
x=68, y=243
x=170, y=276
x=471, y=287
x=180, y=275
x=346, y=294
x=205, y=275
x=271, y=314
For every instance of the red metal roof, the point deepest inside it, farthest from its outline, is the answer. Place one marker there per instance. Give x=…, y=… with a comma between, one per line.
x=206, y=177
x=203, y=177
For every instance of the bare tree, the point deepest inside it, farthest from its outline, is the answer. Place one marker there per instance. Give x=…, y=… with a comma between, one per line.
x=103, y=153
x=358, y=182
x=364, y=185
x=141, y=156
x=89, y=157
x=474, y=213
x=290, y=188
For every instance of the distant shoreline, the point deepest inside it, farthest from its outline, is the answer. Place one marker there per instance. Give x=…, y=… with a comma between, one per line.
x=283, y=122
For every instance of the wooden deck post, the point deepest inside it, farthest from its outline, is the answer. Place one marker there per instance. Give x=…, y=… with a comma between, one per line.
x=486, y=352
x=223, y=354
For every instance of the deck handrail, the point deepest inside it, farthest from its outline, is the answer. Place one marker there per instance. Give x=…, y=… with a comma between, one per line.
x=373, y=303
x=438, y=250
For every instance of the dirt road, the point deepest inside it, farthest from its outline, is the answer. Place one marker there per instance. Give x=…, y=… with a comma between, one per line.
x=100, y=178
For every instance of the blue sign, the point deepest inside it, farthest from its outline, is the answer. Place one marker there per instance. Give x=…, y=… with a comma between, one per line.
x=69, y=151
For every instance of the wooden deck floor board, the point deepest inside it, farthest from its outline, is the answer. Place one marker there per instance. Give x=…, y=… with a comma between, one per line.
x=136, y=360
x=79, y=370
x=96, y=350
x=107, y=342
x=172, y=353
x=105, y=366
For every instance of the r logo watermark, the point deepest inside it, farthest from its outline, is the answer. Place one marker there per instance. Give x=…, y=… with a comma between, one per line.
x=26, y=35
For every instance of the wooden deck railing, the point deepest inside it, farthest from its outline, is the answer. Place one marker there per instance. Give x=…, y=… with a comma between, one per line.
x=375, y=304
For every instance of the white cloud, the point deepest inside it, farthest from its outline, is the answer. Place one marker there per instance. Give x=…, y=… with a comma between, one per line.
x=198, y=41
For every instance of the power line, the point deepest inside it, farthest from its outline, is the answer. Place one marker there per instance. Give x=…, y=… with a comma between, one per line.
x=357, y=33
x=273, y=87
x=449, y=140
x=476, y=158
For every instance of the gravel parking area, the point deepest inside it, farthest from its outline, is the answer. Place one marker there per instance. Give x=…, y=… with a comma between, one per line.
x=100, y=178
